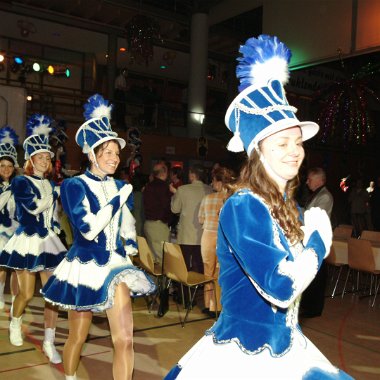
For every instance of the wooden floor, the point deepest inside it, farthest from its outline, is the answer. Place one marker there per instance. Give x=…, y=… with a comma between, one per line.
x=348, y=334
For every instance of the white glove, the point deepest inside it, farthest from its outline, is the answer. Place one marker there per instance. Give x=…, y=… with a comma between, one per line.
x=124, y=193
x=317, y=219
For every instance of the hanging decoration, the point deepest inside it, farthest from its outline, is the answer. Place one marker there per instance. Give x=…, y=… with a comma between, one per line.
x=345, y=117
x=140, y=32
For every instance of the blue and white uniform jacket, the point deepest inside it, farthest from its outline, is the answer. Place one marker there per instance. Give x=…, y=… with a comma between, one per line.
x=8, y=223
x=98, y=258
x=35, y=205
x=35, y=245
x=93, y=207
x=257, y=264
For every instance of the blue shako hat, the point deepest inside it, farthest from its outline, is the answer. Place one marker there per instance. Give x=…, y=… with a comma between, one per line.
x=261, y=108
x=38, y=130
x=8, y=142
x=97, y=128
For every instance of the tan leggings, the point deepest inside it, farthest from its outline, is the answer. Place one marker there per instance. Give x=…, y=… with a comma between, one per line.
x=13, y=281
x=121, y=326
x=27, y=284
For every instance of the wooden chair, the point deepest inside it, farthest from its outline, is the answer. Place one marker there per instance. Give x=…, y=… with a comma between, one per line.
x=337, y=259
x=371, y=235
x=175, y=270
x=361, y=257
x=146, y=262
x=342, y=232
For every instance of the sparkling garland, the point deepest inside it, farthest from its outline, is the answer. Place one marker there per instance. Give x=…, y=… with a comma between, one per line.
x=140, y=33
x=345, y=114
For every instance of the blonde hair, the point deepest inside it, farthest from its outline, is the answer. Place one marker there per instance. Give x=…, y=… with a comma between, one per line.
x=283, y=209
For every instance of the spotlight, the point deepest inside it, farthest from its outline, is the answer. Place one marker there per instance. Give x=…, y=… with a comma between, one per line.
x=29, y=98
x=36, y=66
x=62, y=71
x=19, y=60
x=51, y=70
x=2, y=57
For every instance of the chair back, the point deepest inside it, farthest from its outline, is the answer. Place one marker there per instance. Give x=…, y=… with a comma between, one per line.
x=360, y=255
x=370, y=235
x=331, y=258
x=174, y=263
x=338, y=253
x=145, y=254
x=342, y=232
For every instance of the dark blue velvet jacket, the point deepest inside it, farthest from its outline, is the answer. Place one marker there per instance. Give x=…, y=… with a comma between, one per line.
x=261, y=275
x=35, y=204
x=94, y=208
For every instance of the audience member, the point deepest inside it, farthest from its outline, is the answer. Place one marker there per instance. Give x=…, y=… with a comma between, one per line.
x=313, y=298
x=176, y=176
x=120, y=98
x=209, y=217
x=185, y=202
x=150, y=100
x=375, y=205
x=138, y=182
x=156, y=198
x=359, y=201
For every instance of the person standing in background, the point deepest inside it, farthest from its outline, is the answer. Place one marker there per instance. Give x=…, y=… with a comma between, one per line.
x=158, y=216
x=138, y=182
x=186, y=202
x=120, y=97
x=359, y=201
x=313, y=298
x=176, y=176
x=209, y=218
x=375, y=205
x=8, y=223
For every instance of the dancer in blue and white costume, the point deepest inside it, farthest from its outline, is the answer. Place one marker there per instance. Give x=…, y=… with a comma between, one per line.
x=97, y=274
x=8, y=223
x=267, y=258
x=35, y=246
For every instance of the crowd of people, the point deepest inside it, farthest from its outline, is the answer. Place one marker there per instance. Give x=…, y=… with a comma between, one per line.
x=244, y=228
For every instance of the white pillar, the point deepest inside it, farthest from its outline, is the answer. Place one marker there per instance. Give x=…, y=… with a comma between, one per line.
x=198, y=74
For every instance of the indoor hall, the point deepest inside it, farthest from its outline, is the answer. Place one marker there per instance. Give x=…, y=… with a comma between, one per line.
x=348, y=334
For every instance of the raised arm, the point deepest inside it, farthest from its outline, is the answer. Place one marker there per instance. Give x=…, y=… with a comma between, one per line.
x=25, y=195
x=264, y=255
x=76, y=205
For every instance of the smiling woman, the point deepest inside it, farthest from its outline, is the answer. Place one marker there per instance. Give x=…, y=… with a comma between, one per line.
x=35, y=246
x=105, y=159
x=267, y=257
x=97, y=274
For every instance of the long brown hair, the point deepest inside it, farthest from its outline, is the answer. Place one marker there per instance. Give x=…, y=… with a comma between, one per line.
x=284, y=209
x=226, y=176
